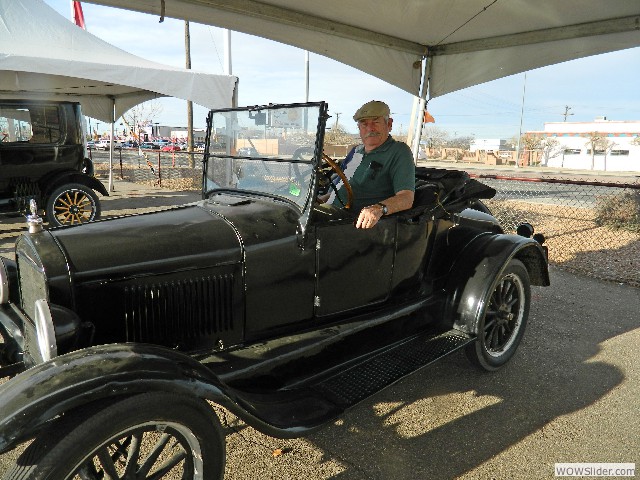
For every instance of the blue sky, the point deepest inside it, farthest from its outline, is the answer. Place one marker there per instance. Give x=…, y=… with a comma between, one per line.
x=270, y=72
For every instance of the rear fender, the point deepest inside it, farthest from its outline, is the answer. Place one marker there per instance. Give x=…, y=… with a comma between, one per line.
x=49, y=184
x=80, y=378
x=471, y=277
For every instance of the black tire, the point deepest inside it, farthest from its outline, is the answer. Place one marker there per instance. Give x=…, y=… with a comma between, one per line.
x=72, y=204
x=184, y=430
x=504, y=318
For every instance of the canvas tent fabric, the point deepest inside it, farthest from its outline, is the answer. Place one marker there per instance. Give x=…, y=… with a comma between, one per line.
x=45, y=56
x=466, y=42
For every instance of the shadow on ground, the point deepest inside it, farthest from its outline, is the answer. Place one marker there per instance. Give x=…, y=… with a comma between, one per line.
x=451, y=421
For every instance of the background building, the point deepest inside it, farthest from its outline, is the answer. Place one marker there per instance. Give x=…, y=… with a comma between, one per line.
x=489, y=145
x=599, y=145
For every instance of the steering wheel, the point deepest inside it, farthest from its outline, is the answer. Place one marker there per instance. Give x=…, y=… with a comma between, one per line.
x=334, y=166
x=303, y=152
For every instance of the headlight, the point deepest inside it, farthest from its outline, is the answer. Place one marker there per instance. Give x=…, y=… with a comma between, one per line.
x=46, y=335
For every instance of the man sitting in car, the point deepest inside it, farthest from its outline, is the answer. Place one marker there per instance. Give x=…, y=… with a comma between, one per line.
x=381, y=170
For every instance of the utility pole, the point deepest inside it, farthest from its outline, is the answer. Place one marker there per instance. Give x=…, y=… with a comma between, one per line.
x=524, y=91
x=337, y=117
x=566, y=112
x=187, y=50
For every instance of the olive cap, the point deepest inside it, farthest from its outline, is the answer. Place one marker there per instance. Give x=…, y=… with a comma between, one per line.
x=372, y=109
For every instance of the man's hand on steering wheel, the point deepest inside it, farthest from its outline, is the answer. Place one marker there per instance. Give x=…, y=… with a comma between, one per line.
x=334, y=166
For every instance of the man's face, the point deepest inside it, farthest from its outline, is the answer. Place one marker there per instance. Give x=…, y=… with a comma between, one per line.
x=374, y=131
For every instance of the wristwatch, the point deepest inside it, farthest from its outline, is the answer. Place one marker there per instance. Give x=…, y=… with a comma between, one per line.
x=385, y=209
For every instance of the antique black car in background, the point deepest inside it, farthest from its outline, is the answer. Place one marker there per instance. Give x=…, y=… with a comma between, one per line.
x=43, y=157
x=257, y=298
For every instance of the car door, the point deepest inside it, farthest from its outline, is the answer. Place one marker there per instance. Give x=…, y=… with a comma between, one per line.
x=354, y=266
x=31, y=141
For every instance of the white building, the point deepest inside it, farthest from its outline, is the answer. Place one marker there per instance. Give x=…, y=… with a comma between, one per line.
x=603, y=144
x=489, y=145
x=181, y=134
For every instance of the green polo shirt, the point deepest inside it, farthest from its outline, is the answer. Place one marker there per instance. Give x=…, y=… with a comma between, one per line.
x=382, y=173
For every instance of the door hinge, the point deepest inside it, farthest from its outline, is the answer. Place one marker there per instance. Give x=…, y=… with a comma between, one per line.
x=318, y=244
x=316, y=301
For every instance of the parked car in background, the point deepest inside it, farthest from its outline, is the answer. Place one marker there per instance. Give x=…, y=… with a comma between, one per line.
x=44, y=157
x=149, y=146
x=129, y=144
x=258, y=298
x=105, y=144
x=172, y=147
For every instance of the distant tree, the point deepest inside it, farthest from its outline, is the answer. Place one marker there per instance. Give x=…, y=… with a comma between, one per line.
x=598, y=143
x=434, y=137
x=532, y=142
x=337, y=135
x=529, y=143
x=463, y=143
x=141, y=114
x=636, y=141
x=550, y=148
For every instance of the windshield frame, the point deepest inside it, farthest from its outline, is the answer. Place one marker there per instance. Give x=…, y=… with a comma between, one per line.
x=244, y=157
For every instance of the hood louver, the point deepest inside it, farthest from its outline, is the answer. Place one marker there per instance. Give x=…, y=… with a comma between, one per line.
x=171, y=313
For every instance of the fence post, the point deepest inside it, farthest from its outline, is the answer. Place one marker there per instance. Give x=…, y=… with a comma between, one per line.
x=159, y=172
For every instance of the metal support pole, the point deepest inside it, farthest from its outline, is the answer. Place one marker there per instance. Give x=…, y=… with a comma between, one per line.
x=424, y=91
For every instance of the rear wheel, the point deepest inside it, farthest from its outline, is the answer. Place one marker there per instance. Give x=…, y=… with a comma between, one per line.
x=504, y=319
x=72, y=204
x=149, y=436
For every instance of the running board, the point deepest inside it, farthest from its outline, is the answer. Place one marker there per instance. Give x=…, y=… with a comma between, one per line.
x=349, y=387
x=307, y=405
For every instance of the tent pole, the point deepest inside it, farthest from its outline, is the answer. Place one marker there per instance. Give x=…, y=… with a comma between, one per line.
x=424, y=91
x=412, y=121
x=113, y=122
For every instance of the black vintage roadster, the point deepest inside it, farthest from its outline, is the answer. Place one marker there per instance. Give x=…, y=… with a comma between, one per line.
x=257, y=298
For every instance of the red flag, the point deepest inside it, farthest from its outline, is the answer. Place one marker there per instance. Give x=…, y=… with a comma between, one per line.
x=78, y=16
x=428, y=118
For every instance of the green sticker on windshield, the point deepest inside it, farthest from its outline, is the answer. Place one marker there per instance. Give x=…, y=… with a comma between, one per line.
x=294, y=189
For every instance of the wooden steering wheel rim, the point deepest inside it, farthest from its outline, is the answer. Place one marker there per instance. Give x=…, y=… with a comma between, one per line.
x=334, y=166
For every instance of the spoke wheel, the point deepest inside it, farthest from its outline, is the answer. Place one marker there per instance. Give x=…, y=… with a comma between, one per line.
x=504, y=319
x=72, y=204
x=151, y=436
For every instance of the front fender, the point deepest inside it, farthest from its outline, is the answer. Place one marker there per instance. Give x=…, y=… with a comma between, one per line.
x=78, y=378
x=472, y=275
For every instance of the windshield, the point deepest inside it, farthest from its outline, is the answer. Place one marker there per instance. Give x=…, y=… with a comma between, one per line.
x=267, y=150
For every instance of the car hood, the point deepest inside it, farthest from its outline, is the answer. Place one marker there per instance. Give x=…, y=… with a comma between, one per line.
x=180, y=238
x=204, y=234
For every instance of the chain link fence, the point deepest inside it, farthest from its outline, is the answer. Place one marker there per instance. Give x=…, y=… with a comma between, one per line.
x=592, y=226
x=178, y=171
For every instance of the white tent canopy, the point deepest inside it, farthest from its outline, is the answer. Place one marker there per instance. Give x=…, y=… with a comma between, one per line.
x=466, y=42
x=45, y=56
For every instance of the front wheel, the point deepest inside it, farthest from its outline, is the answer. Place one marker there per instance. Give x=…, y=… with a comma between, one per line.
x=72, y=204
x=504, y=319
x=148, y=436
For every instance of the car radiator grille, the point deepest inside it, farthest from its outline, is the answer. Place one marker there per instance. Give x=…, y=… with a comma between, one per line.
x=179, y=310
x=33, y=281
